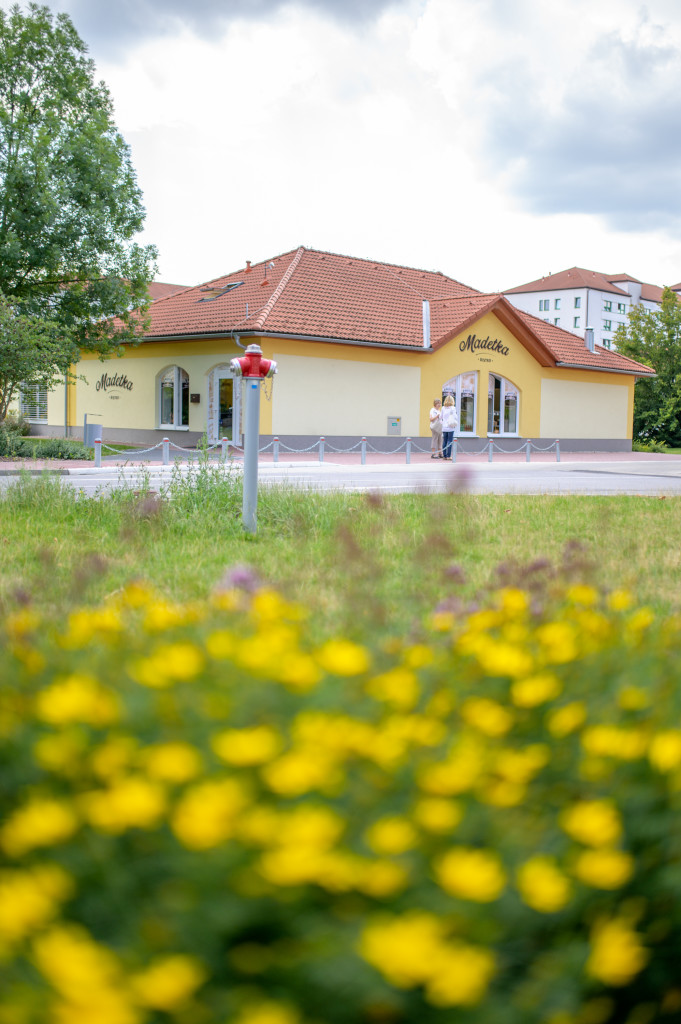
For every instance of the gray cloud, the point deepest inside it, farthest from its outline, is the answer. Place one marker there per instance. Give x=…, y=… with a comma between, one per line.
x=610, y=147
x=108, y=28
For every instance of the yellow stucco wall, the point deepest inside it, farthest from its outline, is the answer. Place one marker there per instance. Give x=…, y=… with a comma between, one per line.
x=322, y=395
x=326, y=388
x=584, y=409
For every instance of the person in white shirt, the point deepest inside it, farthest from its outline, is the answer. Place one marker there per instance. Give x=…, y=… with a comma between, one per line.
x=436, y=429
x=450, y=424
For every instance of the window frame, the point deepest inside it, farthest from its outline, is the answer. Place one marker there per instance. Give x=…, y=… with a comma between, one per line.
x=502, y=399
x=180, y=384
x=37, y=402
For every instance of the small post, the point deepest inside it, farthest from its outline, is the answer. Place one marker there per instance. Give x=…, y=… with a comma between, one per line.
x=454, y=447
x=557, y=450
x=166, y=451
x=224, y=448
x=489, y=450
x=249, y=509
x=408, y=451
x=527, y=451
x=364, y=451
x=98, y=453
x=321, y=449
x=275, y=449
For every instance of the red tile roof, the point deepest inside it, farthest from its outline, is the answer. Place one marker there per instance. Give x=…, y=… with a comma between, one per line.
x=575, y=277
x=310, y=294
x=649, y=292
x=159, y=290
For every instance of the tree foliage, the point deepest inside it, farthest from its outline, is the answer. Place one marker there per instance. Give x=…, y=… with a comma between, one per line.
x=32, y=351
x=70, y=206
x=653, y=337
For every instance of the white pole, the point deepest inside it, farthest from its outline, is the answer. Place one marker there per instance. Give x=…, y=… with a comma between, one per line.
x=249, y=514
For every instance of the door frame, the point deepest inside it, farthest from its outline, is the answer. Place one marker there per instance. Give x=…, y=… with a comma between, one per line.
x=218, y=373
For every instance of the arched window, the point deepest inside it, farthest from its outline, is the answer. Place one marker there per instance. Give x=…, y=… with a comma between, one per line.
x=503, y=400
x=173, y=397
x=464, y=390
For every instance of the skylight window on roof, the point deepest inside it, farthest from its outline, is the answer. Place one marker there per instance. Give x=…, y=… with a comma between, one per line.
x=216, y=292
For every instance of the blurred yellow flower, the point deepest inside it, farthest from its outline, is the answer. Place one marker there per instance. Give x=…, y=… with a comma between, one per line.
x=268, y=1012
x=565, y=720
x=604, y=868
x=399, y=687
x=514, y=601
x=612, y=741
x=502, y=659
x=592, y=822
x=300, y=771
x=665, y=750
x=87, y=976
x=244, y=747
x=471, y=874
x=207, y=813
x=171, y=663
x=61, y=751
x=168, y=983
x=617, y=954
x=487, y=715
x=633, y=698
x=77, y=698
x=380, y=878
x=413, y=950
x=542, y=885
x=558, y=642
x=298, y=671
x=30, y=899
x=435, y=814
x=391, y=836
x=403, y=948
x=620, y=600
x=583, y=594
x=128, y=802
x=535, y=690
x=221, y=644
x=43, y=821
x=343, y=658
x=461, y=975
x=172, y=762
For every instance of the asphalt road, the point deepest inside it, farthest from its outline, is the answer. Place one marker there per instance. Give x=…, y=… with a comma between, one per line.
x=592, y=477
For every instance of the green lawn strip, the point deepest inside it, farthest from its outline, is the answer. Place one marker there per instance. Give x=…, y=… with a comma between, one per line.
x=356, y=561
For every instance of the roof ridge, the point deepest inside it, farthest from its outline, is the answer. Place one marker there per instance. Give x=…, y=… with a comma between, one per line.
x=269, y=305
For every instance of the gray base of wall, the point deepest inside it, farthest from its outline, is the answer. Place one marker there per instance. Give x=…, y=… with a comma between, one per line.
x=302, y=442
x=466, y=445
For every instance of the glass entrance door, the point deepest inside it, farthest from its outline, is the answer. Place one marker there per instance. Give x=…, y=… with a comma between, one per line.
x=226, y=408
x=502, y=406
x=463, y=390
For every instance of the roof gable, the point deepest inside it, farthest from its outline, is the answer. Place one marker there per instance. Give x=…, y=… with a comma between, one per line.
x=575, y=277
x=314, y=295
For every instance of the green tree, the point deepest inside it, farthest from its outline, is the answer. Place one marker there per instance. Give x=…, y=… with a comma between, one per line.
x=70, y=206
x=653, y=337
x=32, y=351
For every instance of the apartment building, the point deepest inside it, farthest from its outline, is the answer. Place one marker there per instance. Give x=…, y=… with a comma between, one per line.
x=576, y=299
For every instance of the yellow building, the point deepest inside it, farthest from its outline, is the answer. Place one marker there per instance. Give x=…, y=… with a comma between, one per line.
x=362, y=349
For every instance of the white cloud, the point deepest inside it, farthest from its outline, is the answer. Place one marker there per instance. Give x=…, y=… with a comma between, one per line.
x=447, y=135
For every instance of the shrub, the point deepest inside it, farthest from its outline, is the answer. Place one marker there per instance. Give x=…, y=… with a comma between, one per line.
x=207, y=818
x=16, y=423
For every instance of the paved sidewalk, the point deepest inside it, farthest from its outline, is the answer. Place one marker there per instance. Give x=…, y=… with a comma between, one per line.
x=394, y=461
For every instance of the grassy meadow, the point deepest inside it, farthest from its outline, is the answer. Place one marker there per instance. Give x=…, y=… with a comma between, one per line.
x=357, y=560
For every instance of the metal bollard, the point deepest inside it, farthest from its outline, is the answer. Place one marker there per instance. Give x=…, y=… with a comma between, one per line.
x=489, y=452
x=527, y=451
x=557, y=450
x=275, y=449
x=224, y=448
x=408, y=451
x=321, y=448
x=454, y=449
x=166, y=451
x=364, y=451
x=98, y=453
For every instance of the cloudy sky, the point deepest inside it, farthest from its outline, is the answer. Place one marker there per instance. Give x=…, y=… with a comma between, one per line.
x=495, y=140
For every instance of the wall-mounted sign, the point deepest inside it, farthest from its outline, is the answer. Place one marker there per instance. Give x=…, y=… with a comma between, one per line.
x=118, y=380
x=474, y=344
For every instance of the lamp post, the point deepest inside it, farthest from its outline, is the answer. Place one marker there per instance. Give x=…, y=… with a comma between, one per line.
x=254, y=369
